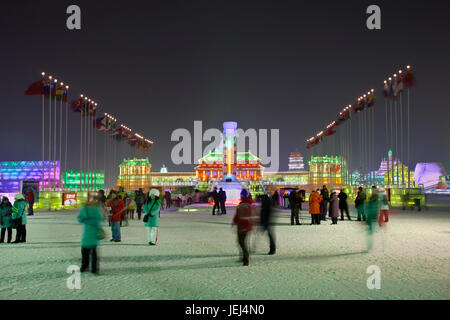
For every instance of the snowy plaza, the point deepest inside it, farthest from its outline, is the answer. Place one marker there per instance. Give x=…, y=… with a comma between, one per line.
x=197, y=258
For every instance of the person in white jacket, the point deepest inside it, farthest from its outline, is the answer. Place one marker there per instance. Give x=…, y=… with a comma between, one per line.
x=383, y=216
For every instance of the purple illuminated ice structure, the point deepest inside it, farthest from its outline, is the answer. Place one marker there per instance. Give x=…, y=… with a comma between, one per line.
x=428, y=173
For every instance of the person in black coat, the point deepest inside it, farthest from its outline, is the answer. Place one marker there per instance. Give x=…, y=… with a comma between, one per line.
x=294, y=200
x=216, y=198
x=266, y=221
x=222, y=199
x=276, y=199
x=343, y=206
x=326, y=198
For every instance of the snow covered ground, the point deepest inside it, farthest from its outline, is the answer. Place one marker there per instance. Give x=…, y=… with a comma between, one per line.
x=197, y=258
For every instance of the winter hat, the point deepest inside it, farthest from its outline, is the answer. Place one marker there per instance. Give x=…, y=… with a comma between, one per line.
x=19, y=196
x=244, y=194
x=154, y=192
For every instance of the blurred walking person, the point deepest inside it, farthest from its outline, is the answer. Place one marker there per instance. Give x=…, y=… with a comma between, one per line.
x=334, y=208
x=266, y=221
x=243, y=220
x=360, y=204
x=152, y=209
x=372, y=214
x=314, y=207
x=343, y=206
x=5, y=219
x=90, y=216
x=19, y=217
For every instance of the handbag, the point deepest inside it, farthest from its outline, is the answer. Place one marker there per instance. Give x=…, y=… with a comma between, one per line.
x=101, y=233
x=145, y=219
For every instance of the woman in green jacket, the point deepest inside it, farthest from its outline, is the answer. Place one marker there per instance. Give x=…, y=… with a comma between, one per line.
x=152, y=207
x=5, y=219
x=19, y=213
x=91, y=216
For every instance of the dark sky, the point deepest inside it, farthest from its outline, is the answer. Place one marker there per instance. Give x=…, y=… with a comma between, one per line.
x=160, y=65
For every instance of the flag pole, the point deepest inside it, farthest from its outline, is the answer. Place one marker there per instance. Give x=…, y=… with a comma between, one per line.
x=55, y=138
x=401, y=141
x=50, y=135
x=43, y=132
x=88, y=159
x=409, y=139
x=60, y=136
x=410, y=84
x=387, y=141
x=81, y=143
x=67, y=119
x=396, y=142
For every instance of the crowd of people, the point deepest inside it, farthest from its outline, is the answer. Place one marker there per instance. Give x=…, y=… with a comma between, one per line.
x=116, y=208
x=323, y=204
x=119, y=206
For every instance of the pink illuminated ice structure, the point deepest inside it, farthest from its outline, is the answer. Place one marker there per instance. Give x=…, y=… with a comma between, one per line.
x=428, y=174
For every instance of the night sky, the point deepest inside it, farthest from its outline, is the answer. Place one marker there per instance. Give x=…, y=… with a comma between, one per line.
x=160, y=65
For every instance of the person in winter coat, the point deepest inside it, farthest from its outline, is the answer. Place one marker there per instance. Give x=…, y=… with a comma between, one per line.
x=222, y=200
x=243, y=220
x=19, y=214
x=216, y=198
x=5, y=219
x=30, y=200
x=314, y=207
x=266, y=221
x=152, y=208
x=102, y=201
x=91, y=216
x=343, y=206
x=276, y=199
x=117, y=209
x=383, y=217
x=372, y=214
x=125, y=215
x=131, y=208
x=139, y=199
x=326, y=198
x=360, y=204
x=294, y=199
x=334, y=208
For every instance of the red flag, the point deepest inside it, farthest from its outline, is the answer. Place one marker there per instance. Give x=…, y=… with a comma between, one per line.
x=409, y=80
x=36, y=88
x=76, y=105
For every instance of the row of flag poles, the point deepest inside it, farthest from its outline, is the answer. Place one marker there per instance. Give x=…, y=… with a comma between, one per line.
x=55, y=93
x=326, y=139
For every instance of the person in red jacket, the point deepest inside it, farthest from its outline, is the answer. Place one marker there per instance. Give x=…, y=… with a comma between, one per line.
x=117, y=209
x=243, y=219
x=30, y=200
